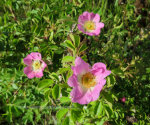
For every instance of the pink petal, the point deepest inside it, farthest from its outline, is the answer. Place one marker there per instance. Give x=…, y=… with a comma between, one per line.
x=101, y=76
x=96, y=32
x=79, y=61
x=39, y=74
x=85, y=97
x=86, y=15
x=80, y=97
x=95, y=17
x=80, y=67
x=80, y=27
x=73, y=81
x=36, y=55
x=100, y=71
x=92, y=15
x=28, y=71
x=99, y=25
x=98, y=28
x=82, y=19
x=90, y=33
x=96, y=91
x=76, y=93
x=28, y=60
x=44, y=65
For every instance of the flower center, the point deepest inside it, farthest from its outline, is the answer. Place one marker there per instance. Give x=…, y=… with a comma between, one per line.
x=89, y=25
x=88, y=80
x=36, y=65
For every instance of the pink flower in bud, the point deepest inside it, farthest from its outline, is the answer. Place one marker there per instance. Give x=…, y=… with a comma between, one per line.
x=35, y=65
x=45, y=37
x=123, y=99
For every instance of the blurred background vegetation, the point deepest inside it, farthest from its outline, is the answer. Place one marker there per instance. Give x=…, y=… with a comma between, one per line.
x=43, y=26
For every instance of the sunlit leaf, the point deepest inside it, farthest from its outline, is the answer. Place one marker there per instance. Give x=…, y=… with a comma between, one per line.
x=45, y=83
x=56, y=91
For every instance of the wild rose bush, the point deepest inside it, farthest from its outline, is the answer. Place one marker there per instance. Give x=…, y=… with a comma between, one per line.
x=74, y=62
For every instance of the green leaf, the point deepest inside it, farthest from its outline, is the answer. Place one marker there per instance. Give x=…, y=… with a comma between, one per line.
x=101, y=122
x=82, y=48
x=37, y=115
x=21, y=101
x=45, y=83
x=110, y=80
x=67, y=59
x=108, y=98
x=66, y=121
x=71, y=121
x=77, y=106
x=65, y=99
x=108, y=111
x=118, y=72
x=61, y=113
x=63, y=70
x=53, y=47
x=72, y=38
x=75, y=39
x=116, y=114
x=45, y=90
x=69, y=45
x=59, y=51
x=51, y=36
x=14, y=86
x=76, y=115
x=56, y=91
x=44, y=104
x=54, y=76
x=10, y=114
x=28, y=116
x=99, y=109
x=147, y=70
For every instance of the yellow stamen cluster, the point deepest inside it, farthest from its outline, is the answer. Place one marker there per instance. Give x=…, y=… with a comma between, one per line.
x=36, y=65
x=89, y=25
x=88, y=80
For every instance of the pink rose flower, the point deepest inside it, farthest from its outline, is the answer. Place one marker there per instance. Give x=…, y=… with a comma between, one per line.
x=87, y=81
x=35, y=65
x=89, y=24
x=123, y=99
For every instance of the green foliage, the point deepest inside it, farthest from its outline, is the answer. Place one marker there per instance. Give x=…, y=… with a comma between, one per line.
x=45, y=83
x=56, y=91
x=50, y=27
x=61, y=113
